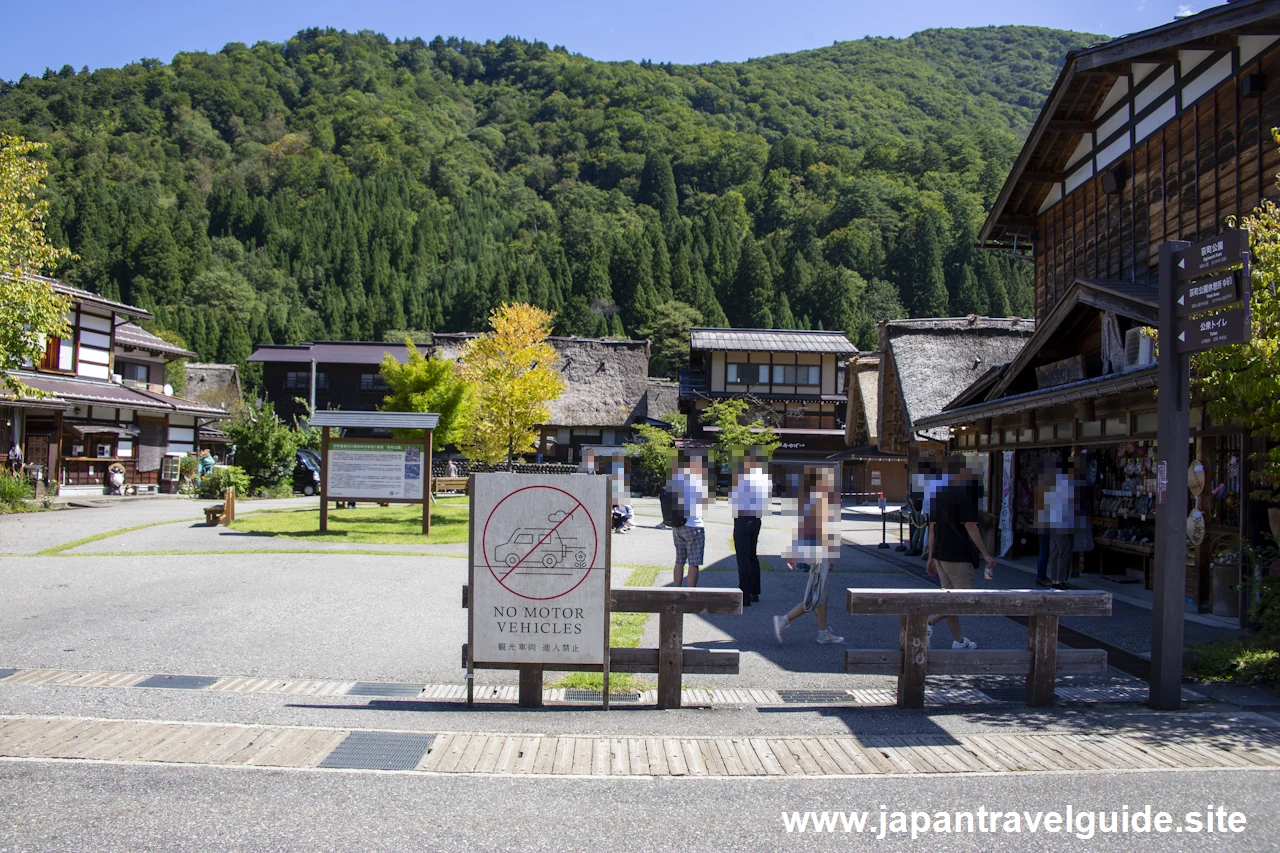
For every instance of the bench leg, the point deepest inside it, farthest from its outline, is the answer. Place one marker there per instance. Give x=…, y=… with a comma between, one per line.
x=1042, y=639
x=530, y=685
x=670, y=658
x=915, y=656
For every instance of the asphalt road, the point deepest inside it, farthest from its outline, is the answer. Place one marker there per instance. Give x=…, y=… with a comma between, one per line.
x=48, y=806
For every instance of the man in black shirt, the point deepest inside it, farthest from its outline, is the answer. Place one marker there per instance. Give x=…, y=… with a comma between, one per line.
x=954, y=539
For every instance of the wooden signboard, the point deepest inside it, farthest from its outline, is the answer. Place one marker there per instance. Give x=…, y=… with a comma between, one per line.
x=1220, y=252
x=1217, y=291
x=539, y=571
x=1213, y=330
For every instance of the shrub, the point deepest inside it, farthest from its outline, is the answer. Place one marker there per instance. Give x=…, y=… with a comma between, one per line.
x=265, y=447
x=215, y=484
x=14, y=490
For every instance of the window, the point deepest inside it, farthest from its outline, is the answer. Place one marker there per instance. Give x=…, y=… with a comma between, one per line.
x=747, y=374
x=52, y=346
x=300, y=380
x=791, y=374
x=131, y=372
x=373, y=382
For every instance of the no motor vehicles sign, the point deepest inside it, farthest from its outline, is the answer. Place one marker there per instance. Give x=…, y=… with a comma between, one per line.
x=539, y=569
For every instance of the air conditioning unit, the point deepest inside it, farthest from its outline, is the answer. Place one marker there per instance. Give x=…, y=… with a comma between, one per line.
x=1139, y=349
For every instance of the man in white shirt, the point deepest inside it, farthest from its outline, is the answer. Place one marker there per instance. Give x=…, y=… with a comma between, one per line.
x=749, y=500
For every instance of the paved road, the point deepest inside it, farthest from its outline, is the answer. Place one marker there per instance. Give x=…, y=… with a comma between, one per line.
x=57, y=807
x=397, y=618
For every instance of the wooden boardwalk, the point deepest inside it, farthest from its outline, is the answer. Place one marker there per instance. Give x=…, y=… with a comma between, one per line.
x=223, y=744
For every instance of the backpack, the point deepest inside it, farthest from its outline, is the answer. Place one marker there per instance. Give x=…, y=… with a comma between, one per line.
x=669, y=500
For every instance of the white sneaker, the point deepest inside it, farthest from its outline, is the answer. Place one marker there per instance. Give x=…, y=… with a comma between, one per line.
x=827, y=638
x=779, y=622
x=966, y=644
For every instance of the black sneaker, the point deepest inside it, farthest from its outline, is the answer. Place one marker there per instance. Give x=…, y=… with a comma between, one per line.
x=1043, y=582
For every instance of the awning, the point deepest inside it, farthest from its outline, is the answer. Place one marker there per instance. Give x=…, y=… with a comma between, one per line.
x=108, y=429
x=1139, y=379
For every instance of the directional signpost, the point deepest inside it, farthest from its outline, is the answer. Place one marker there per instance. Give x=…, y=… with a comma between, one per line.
x=1194, y=278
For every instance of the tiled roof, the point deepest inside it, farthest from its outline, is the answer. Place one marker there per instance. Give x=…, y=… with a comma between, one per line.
x=332, y=352
x=133, y=335
x=770, y=340
x=109, y=394
x=91, y=298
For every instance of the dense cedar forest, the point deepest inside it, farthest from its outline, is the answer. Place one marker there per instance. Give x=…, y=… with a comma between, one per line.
x=346, y=186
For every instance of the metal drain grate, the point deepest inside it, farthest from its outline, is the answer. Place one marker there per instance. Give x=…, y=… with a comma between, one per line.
x=377, y=688
x=574, y=695
x=5, y=673
x=814, y=697
x=178, y=682
x=378, y=751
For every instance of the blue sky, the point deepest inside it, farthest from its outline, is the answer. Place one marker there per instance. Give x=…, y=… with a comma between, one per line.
x=102, y=33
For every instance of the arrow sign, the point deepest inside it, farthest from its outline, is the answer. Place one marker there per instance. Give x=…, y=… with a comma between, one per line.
x=1211, y=255
x=1216, y=330
x=1205, y=293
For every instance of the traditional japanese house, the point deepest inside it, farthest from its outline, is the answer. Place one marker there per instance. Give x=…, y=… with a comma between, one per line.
x=869, y=472
x=793, y=380
x=107, y=405
x=1156, y=136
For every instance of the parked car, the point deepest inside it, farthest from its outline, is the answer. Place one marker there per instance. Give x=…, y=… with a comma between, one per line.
x=306, y=473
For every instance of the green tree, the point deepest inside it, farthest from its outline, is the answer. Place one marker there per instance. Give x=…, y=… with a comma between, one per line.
x=1240, y=384
x=918, y=265
x=754, y=287
x=668, y=337
x=512, y=371
x=265, y=447
x=30, y=310
x=424, y=384
x=731, y=433
x=651, y=454
x=658, y=189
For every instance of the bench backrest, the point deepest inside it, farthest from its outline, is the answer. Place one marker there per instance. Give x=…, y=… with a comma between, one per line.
x=978, y=602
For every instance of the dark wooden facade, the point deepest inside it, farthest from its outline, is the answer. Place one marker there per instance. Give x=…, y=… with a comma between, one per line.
x=1213, y=161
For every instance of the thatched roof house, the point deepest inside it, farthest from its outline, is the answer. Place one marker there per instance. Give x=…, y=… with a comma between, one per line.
x=215, y=384
x=925, y=363
x=862, y=382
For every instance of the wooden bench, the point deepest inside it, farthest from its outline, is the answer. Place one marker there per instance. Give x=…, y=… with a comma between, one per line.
x=223, y=513
x=671, y=660
x=1041, y=662
x=449, y=484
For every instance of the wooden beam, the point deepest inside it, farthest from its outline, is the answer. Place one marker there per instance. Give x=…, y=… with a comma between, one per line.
x=1041, y=177
x=977, y=602
x=1062, y=125
x=974, y=662
x=682, y=599
x=1115, y=69
x=1015, y=220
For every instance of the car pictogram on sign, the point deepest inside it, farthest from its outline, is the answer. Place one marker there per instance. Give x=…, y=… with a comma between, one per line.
x=533, y=546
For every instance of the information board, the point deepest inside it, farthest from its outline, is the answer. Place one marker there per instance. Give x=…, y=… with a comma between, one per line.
x=364, y=470
x=1212, y=330
x=539, y=569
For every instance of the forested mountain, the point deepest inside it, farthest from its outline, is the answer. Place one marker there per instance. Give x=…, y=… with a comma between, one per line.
x=345, y=186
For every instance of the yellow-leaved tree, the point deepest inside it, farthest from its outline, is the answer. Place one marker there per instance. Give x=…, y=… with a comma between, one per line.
x=30, y=310
x=513, y=375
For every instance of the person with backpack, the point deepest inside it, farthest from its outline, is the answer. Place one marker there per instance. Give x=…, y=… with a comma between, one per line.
x=682, y=500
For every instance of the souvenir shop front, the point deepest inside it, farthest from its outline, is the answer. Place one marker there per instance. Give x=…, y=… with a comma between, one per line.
x=1112, y=454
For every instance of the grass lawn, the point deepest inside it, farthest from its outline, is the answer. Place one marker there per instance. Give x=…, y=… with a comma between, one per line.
x=397, y=524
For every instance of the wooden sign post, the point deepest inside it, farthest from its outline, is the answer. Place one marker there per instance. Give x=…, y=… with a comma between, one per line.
x=1191, y=281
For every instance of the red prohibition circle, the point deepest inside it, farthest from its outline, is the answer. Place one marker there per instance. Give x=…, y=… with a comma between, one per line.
x=501, y=579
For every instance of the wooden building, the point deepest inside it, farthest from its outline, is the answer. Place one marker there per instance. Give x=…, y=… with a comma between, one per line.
x=1156, y=136
x=106, y=404
x=869, y=472
x=793, y=379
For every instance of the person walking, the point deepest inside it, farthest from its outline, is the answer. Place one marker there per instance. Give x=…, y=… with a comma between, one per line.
x=749, y=501
x=682, y=501
x=953, y=538
x=816, y=546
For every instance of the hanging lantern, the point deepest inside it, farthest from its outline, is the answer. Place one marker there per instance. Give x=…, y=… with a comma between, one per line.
x=1196, y=527
x=1195, y=477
